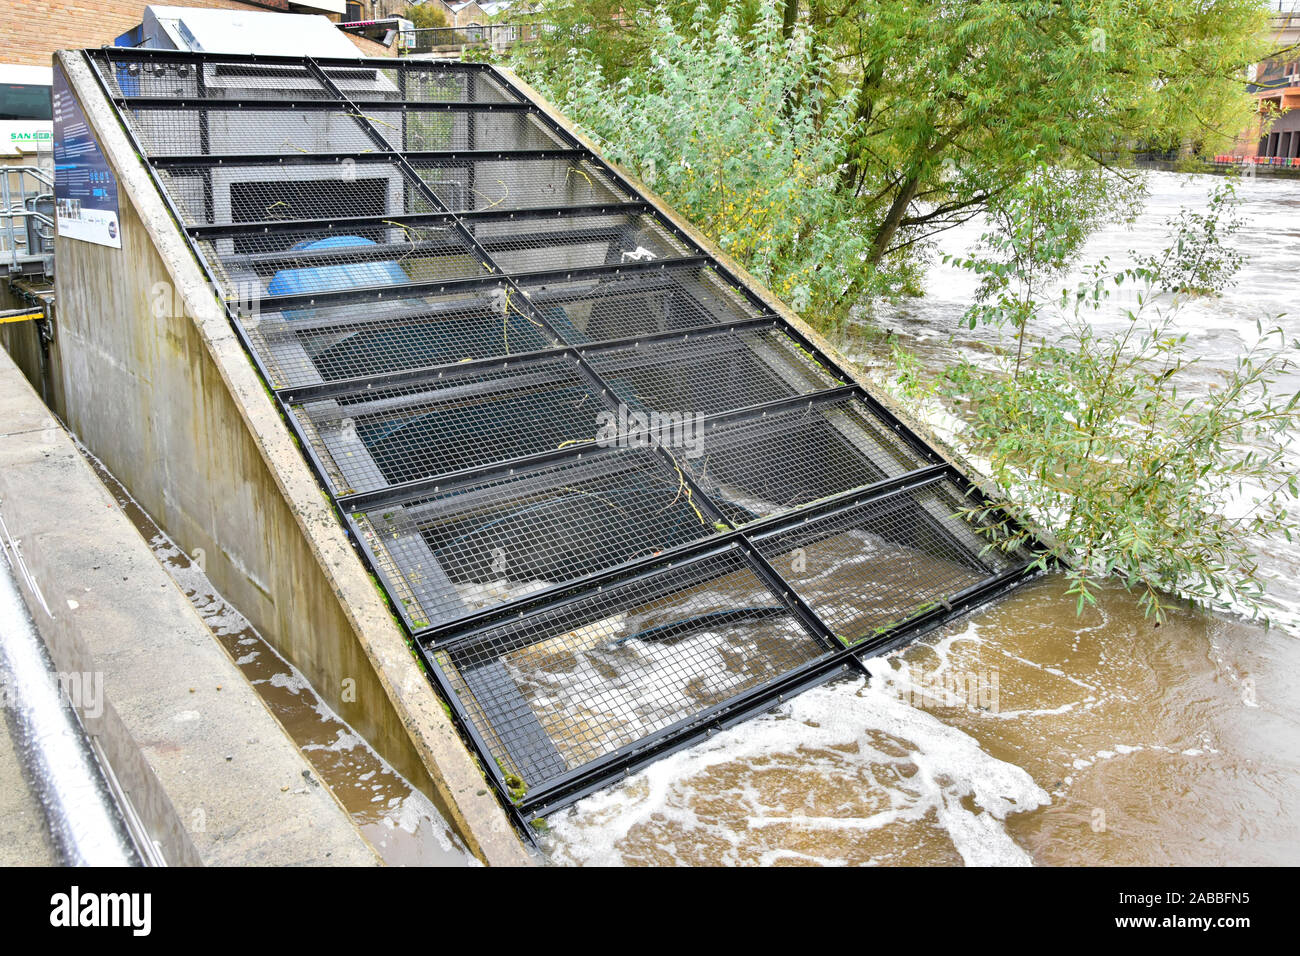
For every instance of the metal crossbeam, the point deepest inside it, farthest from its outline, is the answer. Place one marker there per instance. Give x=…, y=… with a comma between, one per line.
x=358, y=109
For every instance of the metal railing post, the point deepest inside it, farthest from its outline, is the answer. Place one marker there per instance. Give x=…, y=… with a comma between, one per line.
x=11, y=241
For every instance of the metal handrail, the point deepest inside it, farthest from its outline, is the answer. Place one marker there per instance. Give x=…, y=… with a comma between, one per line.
x=18, y=215
x=495, y=35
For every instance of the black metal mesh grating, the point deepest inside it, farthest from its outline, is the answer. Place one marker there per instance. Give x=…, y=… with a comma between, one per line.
x=639, y=301
x=417, y=82
x=472, y=546
x=274, y=128
x=328, y=343
x=430, y=131
x=866, y=568
x=564, y=687
x=505, y=183
x=181, y=79
x=380, y=257
x=178, y=78
x=452, y=420
x=707, y=373
x=758, y=467
x=570, y=241
x=330, y=191
x=459, y=307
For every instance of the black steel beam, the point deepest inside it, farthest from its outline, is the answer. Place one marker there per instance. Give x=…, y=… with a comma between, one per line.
x=678, y=335
x=446, y=157
x=404, y=310
x=266, y=263
x=353, y=387
x=141, y=54
x=307, y=300
x=347, y=223
x=355, y=108
x=790, y=594
x=342, y=224
x=811, y=400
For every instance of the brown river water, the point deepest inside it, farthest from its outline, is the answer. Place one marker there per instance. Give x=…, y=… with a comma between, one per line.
x=1022, y=734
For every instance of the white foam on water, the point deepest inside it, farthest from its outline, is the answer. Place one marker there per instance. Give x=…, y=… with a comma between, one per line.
x=968, y=791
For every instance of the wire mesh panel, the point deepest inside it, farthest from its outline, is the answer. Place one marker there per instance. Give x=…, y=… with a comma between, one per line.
x=328, y=343
x=327, y=190
x=477, y=328
x=472, y=546
x=463, y=129
x=568, y=241
x=707, y=373
x=664, y=297
x=417, y=81
x=560, y=688
x=184, y=79
x=474, y=182
x=867, y=568
x=209, y=128
x=452, y=420
x=757, y=467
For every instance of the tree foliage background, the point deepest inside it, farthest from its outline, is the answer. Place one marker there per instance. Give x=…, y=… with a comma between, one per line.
x=822, y=143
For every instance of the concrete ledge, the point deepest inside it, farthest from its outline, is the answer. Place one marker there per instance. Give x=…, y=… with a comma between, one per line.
x=211, y=773
x=151, y=377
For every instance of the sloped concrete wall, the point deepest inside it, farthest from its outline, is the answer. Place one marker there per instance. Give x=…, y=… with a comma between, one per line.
x=153, y=380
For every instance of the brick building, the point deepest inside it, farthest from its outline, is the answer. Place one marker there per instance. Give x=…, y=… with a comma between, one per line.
x=1277, y=87
x=31, y=30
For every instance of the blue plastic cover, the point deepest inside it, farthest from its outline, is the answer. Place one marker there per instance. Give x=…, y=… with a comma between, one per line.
x=332, y=278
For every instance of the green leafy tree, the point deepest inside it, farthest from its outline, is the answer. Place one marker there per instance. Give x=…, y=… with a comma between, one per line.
x=960, y=101
x=1035, y=231
x=730, y=123
x=1107, y=443
x=953, y=104
x=1199, y=261
x=426, y=16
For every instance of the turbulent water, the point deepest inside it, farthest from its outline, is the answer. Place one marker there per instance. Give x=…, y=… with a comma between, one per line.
x=1023, y=734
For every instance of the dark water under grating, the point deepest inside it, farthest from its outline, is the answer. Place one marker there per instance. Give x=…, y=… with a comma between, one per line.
x=619, y=665
x=450, y=421
x=707, y=374
x=867, y=567
x=329, y=343
x=451, y=297
x=473, y=546
x=759, y=467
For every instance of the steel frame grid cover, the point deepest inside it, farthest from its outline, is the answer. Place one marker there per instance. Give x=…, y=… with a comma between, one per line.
x=472, y=220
